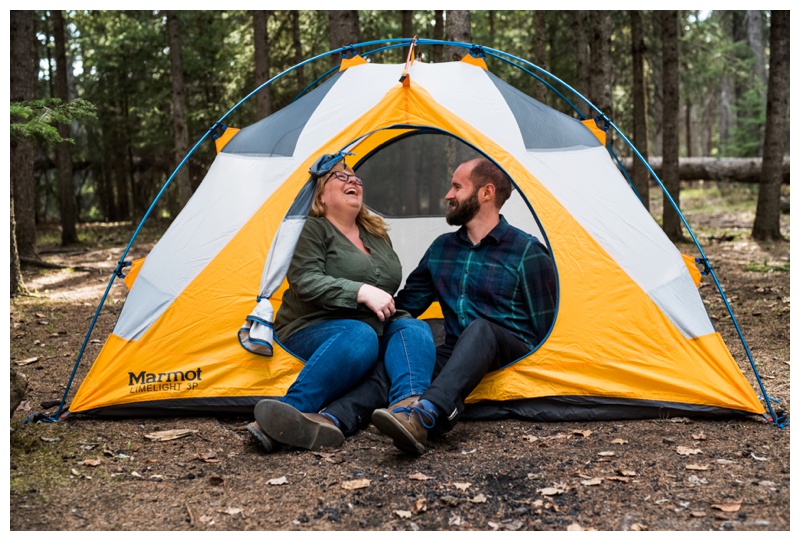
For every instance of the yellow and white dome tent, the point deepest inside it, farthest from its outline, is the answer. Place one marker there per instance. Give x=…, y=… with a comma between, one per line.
x=631, y=337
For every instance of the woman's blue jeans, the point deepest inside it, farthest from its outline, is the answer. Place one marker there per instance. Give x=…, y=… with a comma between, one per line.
x=340, y=353
x=409, y=355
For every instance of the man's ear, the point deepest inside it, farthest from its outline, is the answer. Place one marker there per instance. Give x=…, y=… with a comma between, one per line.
x=488, y=192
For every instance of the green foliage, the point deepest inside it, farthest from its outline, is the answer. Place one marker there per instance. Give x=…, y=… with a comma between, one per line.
x=766, y=266
x=38, y=119
x=710, y=60
x=622, y=79
x=382, y=24
x=124, y=152
x=748, y=133
x=510, y=32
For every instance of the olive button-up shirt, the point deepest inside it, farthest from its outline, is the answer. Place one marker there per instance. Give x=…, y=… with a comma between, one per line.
x=325, y=274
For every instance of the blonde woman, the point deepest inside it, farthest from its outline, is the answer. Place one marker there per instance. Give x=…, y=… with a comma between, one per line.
x=339, y=316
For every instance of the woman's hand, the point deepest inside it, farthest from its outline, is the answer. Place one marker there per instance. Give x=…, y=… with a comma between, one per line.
x=376, y=300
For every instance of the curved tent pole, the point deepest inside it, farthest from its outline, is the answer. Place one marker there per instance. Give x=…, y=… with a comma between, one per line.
x=571, y=105
x=401, y=42
x=574, y=108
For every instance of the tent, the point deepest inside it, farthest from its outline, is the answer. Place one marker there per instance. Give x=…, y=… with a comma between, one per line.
x=631, y=337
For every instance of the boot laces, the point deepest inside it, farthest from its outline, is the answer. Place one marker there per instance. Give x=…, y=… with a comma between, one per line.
x=426, y=417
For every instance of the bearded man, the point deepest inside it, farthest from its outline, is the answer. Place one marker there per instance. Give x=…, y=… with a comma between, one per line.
x=497, y=289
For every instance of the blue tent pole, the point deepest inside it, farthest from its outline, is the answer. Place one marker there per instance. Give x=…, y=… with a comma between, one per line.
x=399, y=43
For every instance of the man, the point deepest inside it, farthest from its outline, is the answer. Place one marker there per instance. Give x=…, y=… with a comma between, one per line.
x=497, y=290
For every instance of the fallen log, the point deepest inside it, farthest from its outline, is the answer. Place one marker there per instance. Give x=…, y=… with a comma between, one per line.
x=746, y=170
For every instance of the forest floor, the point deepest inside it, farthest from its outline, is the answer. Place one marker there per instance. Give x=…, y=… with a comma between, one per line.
x=662, y=474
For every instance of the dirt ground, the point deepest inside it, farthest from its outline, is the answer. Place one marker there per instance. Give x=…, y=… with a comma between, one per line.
x=511, y=475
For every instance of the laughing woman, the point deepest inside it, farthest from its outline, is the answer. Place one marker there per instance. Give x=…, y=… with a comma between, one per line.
x=338, y=316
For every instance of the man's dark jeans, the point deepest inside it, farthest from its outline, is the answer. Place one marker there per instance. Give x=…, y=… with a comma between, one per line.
x=481, y=348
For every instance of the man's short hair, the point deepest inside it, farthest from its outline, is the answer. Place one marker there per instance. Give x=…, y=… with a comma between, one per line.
x=486, y=172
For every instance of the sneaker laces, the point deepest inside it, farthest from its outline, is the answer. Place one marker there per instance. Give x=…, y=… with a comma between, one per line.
x=426, y=417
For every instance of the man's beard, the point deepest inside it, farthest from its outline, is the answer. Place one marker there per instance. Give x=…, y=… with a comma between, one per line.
x=461, y=213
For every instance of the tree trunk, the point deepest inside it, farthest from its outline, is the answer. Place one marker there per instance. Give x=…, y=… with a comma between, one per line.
x=688, y=105
x=407, y=21
x=297, y=47
x=140, y=188
x=726, y=114
x=581, y=45
x=63, y=153
x=540, y=52
x=755, y=37
x=653, y=25
x=491, y=28
x=17, y=287
x=23, y=181
x=600, y=58
x=671, y=102
x=438, y=34
x=184, y=188
x=639, y=174
x=42, y=26
x=707, y=116
x=342, y=30
x=119, y=164
x=261, y=61
x=749, y=91
x=767, y=222
x=106, y=189
x=687, y=128
x=457, y=28
x=739, y=34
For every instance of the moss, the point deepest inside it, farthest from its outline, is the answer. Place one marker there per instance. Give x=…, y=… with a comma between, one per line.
x=766, y=266
x=38, y=458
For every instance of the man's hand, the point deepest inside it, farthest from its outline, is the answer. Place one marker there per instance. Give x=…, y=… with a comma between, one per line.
x=376, y=300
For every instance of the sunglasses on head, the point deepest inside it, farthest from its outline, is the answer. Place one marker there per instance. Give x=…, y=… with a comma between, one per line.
x=326, y=163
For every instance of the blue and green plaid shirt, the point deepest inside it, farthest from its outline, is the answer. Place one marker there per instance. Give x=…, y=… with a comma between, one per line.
x=508, y=278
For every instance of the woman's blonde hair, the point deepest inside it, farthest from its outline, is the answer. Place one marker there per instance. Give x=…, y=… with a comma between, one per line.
x=372, y=223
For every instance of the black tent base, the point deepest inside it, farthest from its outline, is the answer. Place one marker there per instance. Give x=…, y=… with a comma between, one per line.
x=545, y=409
x=582, y=408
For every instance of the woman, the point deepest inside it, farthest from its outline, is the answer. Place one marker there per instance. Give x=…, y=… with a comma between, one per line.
x=338, y=315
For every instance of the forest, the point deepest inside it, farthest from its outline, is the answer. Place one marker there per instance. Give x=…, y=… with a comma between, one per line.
x=113, y=110
x=106, y=104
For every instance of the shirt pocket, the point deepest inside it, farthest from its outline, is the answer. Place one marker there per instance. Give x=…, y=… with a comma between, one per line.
x=503, y=283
